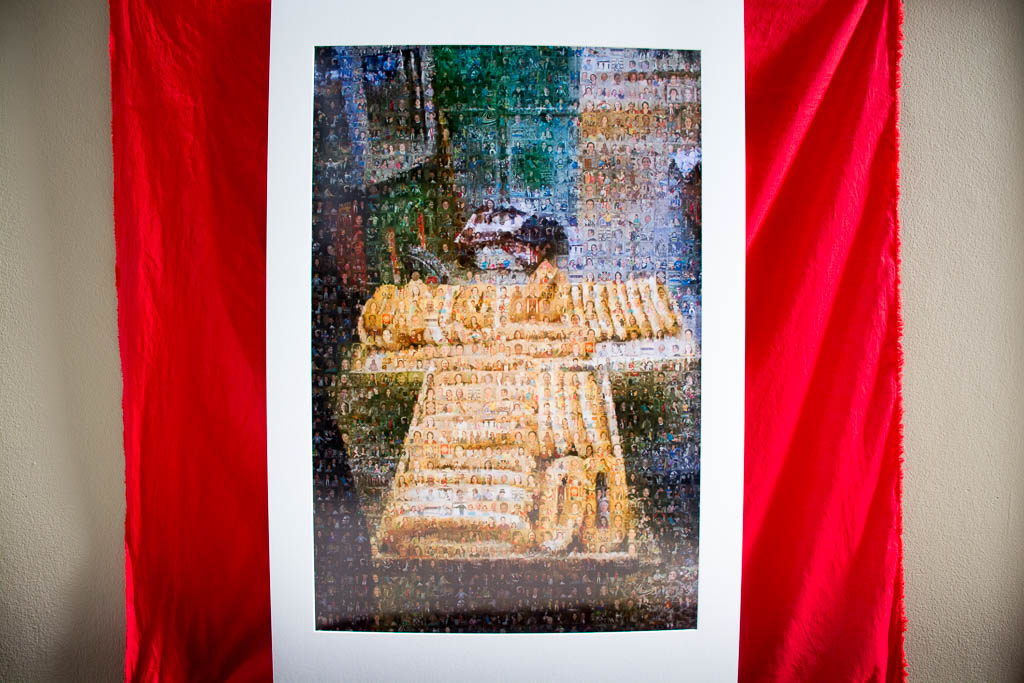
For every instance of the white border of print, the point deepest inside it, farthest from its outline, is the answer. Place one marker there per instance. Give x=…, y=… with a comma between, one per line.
x=301, y=653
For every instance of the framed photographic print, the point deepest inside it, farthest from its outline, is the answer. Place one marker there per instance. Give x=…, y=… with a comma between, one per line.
x=505, y=281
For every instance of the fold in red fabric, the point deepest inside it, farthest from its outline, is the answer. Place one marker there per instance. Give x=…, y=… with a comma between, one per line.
x=822, y=579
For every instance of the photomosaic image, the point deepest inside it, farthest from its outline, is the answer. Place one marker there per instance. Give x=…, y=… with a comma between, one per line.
x=506, y=321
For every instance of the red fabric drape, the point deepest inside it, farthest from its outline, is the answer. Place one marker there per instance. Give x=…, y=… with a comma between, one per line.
x=190, y=153
x=822, y=572
x=822, y=586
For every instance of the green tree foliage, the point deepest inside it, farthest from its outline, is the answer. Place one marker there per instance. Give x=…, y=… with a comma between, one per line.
x=534, y=166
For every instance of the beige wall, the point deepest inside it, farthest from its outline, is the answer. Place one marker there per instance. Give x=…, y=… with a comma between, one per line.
x=963, y=283
x=62, y=505
x=61, y=463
